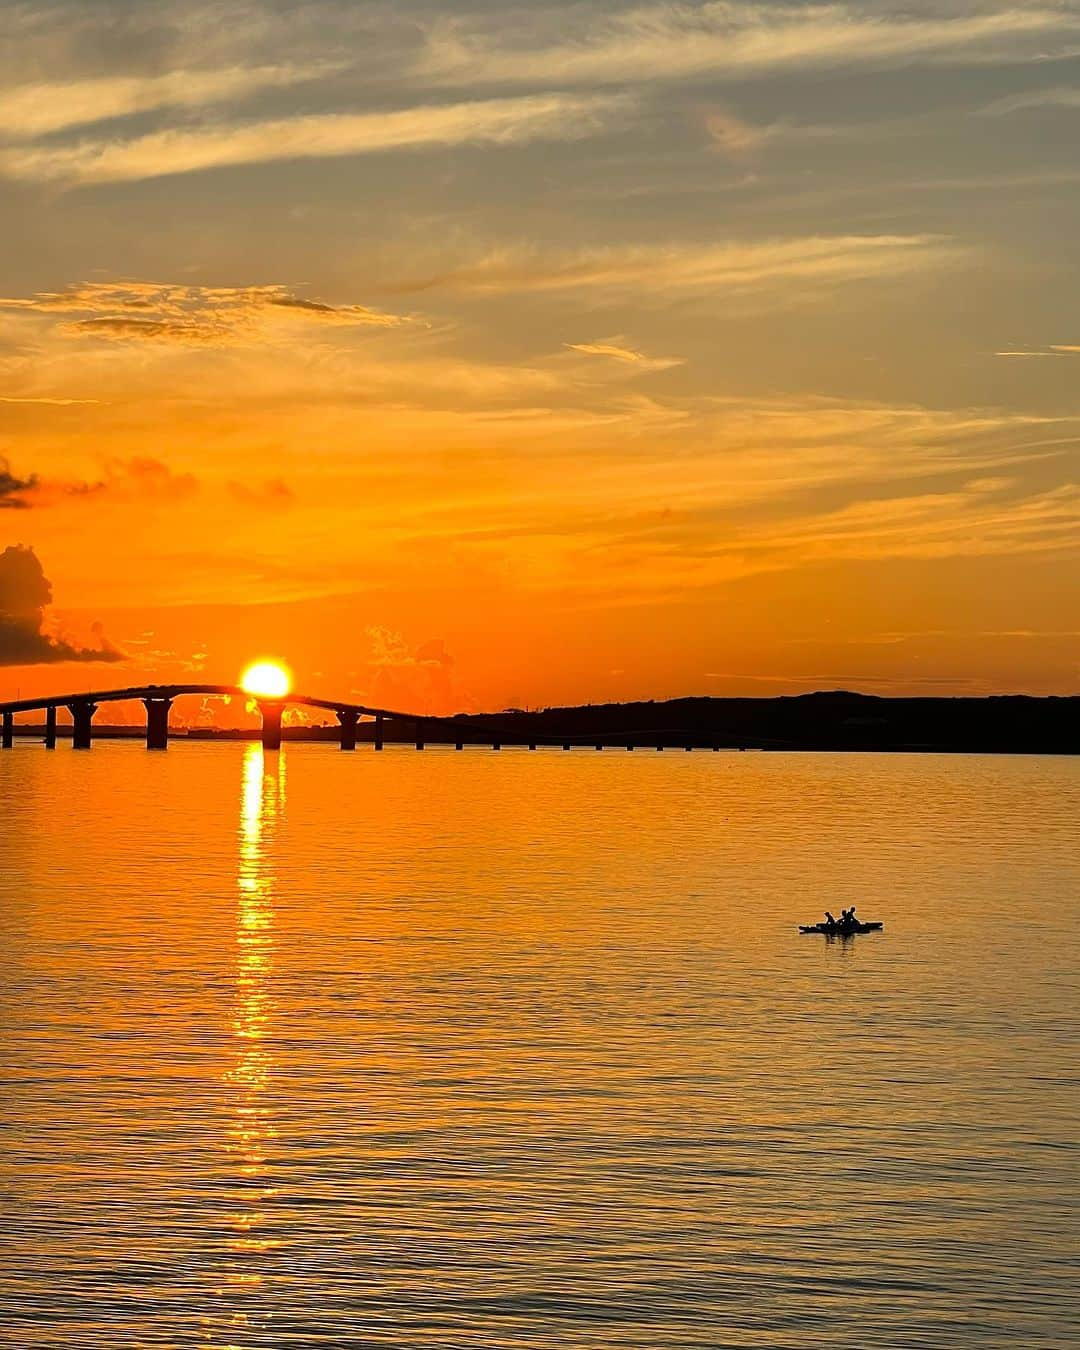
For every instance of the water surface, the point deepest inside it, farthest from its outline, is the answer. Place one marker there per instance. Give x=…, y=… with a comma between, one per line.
x=524, y=1050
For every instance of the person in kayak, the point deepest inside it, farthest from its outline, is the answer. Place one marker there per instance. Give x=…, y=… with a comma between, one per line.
x=830, y=922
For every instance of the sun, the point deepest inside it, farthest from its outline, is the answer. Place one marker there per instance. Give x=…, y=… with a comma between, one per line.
x=266, y=679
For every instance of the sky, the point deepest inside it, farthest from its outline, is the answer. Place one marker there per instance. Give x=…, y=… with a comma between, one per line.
x=484, y=355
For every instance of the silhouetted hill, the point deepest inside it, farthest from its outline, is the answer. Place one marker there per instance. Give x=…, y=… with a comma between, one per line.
x=822, y=721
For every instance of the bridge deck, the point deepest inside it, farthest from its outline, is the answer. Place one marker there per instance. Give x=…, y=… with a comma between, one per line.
x=172, y=691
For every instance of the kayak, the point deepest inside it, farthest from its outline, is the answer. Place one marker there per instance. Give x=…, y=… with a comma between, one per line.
x=841, y=930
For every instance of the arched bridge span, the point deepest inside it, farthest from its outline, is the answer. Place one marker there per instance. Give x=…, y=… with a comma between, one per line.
x=158, y=700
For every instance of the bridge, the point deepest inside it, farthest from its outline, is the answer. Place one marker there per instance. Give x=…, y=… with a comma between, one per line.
x=492, y=729
x=158, y=700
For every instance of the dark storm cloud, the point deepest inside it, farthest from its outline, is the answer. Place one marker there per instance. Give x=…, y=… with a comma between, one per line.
x=25, y=592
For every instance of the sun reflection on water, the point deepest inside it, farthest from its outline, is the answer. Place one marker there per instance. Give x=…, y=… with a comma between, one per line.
x=251, y=1129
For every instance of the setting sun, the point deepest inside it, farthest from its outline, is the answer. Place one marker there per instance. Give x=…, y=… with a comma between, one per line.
x=265, y=679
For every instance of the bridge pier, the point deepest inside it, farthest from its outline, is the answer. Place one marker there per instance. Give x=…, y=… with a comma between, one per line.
x=157, y=722
x=271, y=725
x=348, y=717
x=82, y=714
x=9, y=730
x=50, y=727
x=378, y=731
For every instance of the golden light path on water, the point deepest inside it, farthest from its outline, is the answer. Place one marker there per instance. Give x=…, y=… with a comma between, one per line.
x=252, y=1130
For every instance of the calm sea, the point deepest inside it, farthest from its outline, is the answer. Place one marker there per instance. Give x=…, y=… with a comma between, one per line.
x=525, y=1050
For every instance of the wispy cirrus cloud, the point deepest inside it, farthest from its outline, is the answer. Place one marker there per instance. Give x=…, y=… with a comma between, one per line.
x=673, y=550
x=193, y=315
x=47, y=402
x=664, y=272
x=678, y=41
x=773, y=487
x=1055, y=96
x=791, y=454
x=615, y=349
x=1051, y=349
x=506, y=121
x=972, y=521
x=31, y=110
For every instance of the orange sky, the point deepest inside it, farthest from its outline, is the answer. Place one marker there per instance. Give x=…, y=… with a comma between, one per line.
x=467, y=358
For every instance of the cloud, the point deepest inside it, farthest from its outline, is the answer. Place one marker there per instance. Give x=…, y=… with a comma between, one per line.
x=675, y=550
x=110, y=326
x=25, y=592
x=141, y=478
x=1052, y=349
x=745, y=476
x=1056, y=97
x=31, y=110
x=974, y=520
x=677, y=270
x=272, y=495
x=615, y=351
x=506, y=121
x=149, y=479
x=49, y=402
x=134, y=311
x=733, y=136
x=410, y=677
x=12, y=489
x=679, y=41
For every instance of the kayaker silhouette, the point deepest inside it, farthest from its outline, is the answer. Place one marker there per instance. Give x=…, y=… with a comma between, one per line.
x=844, y=927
